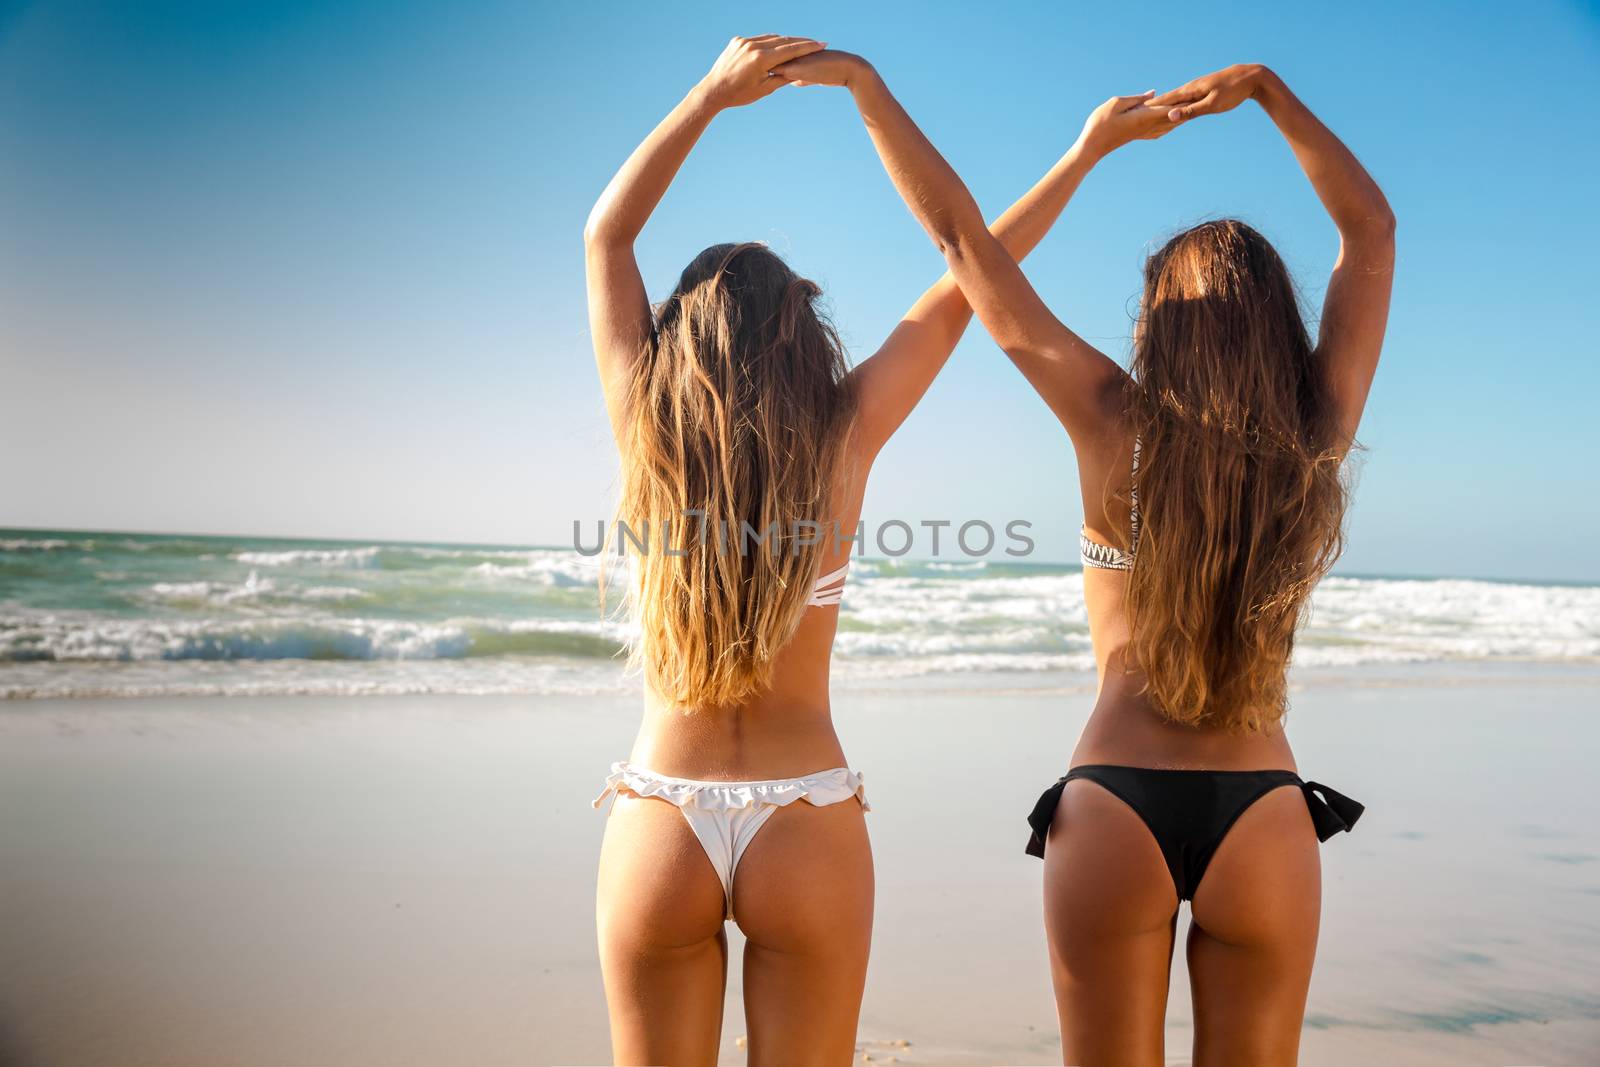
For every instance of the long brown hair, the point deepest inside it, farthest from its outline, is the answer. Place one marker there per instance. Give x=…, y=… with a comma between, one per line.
x=1240, y=486
x=736, y=417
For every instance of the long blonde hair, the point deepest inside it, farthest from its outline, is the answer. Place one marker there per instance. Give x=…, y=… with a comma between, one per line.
x=1240, y=486
x=735, y=423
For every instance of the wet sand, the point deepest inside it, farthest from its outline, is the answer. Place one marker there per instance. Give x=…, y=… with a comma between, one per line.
x=408, y=880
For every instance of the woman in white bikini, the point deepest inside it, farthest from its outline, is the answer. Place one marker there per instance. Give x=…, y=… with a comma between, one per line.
x=736, y=413
x=1213, y=502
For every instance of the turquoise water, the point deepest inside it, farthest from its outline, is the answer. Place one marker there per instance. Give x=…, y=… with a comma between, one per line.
x=138, y=614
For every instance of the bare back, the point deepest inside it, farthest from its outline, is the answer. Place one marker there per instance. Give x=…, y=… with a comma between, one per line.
x=1125, y=727
x=784, y=731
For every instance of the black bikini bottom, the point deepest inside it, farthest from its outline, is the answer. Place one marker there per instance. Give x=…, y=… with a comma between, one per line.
x=1190, y=812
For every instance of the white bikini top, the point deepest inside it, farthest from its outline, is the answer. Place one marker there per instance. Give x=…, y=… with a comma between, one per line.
x=829, y=589
x=1108, y=557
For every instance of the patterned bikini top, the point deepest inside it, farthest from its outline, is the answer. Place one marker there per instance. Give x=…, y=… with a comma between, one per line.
x=829, y=589
x=1108, y=557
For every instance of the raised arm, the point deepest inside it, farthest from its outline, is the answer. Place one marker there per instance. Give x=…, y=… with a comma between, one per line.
x=619, y=311
x=893, y=380
x=1078, y=382
x=1355, y=311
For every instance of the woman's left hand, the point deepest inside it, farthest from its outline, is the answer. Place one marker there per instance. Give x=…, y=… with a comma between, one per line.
x=1122, y=119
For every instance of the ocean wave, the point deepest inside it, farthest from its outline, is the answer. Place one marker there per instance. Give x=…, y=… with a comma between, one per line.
x=335, y=593
x=161, y=545
x=253, y=591
x=203, y=592
x=558, y=571
x=323, y=557
x=67, y=637
x=549, y=567
x=31, y=544
x=1366, y=620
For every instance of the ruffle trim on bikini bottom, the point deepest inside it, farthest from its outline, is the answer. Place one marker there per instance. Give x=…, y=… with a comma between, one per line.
x=821, y=789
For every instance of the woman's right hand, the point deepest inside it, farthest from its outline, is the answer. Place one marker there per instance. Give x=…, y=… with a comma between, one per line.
x=827, y=67
x=743, y=73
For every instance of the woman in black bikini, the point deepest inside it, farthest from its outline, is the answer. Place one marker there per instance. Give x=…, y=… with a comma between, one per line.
x=1213, y=501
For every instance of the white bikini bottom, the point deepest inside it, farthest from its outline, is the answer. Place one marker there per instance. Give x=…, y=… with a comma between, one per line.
x=726, y=815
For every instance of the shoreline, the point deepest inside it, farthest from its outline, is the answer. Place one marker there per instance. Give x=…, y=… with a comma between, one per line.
x=606, y=681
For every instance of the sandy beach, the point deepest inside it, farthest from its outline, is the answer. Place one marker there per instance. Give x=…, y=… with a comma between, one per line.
x=362, y=366
x=364, y=880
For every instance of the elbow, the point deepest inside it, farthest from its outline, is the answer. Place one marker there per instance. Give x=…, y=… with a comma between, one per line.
x=956, y=230
x=953, y=252
x=593, y=232
x=600, y=229
x=954, y=242
x=1372, y=235
x=1382, y=238
x=947, y=241
x=1379, y=221
x=1383, y=221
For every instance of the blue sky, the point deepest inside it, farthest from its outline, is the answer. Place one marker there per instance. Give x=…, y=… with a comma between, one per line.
x=315, y=269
